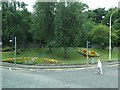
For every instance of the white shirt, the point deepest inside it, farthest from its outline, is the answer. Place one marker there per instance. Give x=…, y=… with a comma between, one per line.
x=99, y=64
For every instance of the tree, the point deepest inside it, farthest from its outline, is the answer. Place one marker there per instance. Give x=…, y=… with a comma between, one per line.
x=69, y=19
x=115, y=22
x=15, y=22
x=25, y=25
x=43, y=22
x=59, y=24
x=88, y=27
x=97, y=15
x=114, y=38
x=100, y=35
x=115, y=17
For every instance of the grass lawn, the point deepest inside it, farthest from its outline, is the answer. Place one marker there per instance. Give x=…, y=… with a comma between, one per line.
x=58, y=54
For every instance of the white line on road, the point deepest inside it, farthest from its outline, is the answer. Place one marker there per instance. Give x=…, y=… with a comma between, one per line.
x=69, y=69
x=113, y=65
x=61, y=69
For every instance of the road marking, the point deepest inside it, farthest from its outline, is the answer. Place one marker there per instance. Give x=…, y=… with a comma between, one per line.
x=60, y=69
x=69, y=69
x=113, y=65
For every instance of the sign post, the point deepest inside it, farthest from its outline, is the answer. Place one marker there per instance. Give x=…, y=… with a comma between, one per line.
x=87, y=52
x=15, y=52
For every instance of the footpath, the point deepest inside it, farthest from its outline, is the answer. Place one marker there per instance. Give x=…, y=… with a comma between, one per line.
x=55, y=66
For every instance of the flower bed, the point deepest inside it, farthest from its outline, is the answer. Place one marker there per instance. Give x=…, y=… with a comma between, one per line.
x=47, y=60
x=91, y=53
x=30, y=60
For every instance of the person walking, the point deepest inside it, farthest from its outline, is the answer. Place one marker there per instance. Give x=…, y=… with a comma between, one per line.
x=99, y=67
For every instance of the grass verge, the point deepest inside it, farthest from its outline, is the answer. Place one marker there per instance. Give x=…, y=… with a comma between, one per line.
x=58, y=54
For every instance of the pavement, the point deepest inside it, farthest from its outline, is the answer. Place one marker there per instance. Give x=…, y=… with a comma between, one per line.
x=55, y=66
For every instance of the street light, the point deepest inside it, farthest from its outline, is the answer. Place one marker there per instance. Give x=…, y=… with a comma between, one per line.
x=110, y=31
x=15, y=49
x=110, y=35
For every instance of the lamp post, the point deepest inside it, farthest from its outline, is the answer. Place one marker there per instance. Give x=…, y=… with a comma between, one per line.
x=110, y=31
x=15, y=49
x=110, y=35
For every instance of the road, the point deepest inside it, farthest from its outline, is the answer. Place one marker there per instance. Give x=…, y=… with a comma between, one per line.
x=60, y=78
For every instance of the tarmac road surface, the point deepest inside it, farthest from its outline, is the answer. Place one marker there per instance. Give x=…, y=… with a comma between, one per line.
x=60, y=78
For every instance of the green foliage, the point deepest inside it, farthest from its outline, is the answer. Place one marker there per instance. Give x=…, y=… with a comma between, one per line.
x=58, y=24
x=69, y=24
x=114, y=38
x=57, y=54
x=114, y=20
x=97, y=15
x=43, y=22
x=88, y=27
x=100, y=35
x=15, y=22
x=100, y=15
x=69, y=21
x=118, y=34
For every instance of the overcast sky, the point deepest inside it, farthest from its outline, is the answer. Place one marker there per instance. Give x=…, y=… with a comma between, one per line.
x=93, y=4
